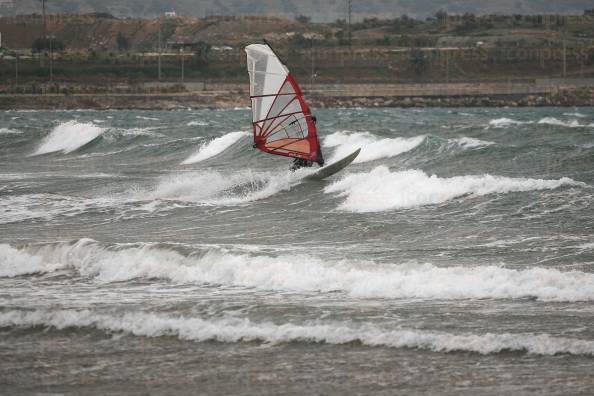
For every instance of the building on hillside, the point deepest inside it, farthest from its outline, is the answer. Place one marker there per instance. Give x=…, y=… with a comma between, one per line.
x=186, y=45
x=170, y=14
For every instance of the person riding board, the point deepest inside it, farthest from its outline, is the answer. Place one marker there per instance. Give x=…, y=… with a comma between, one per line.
x=304, y=163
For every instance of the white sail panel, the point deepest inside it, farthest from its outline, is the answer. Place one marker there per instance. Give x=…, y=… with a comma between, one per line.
x=267, y=75
x=282, y=122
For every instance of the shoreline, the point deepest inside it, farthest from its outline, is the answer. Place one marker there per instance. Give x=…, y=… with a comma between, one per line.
x=220, y=100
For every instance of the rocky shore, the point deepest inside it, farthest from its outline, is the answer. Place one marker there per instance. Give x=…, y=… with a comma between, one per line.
x=582, y=97
x=570, y=97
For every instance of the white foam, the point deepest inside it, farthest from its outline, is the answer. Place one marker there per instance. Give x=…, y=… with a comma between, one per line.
x=29, y=206
x=576, y=114
x=304, y=273
x=136, y=132
x=197, y=123
x=147, y=118
x=468, y=142
x=15, y=262
x=8, y=131
x=190, y=188
x=505, y=122
x=233, y=330
x=215, y=188
x=69, y=136
x=567, y=124
x=215, y=147
x=16, y=208
x=372, y=147
x=381, y=189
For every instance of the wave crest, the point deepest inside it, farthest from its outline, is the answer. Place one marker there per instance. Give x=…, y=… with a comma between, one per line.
x=381, y=190
x=214, y=147
x=233, y=330
x=372, y=147
x=297, y=273
x=68, y=137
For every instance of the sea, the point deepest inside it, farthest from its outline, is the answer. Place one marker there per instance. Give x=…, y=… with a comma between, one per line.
x=157, y=252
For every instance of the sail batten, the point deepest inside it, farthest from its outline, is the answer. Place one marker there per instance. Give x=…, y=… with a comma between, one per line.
x=281, y=119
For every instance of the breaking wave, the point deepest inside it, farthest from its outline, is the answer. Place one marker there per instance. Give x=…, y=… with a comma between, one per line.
x=567, y=124
x=197, y=123
x=215, y=188
x=381, y=189
x=234, y=330
x=468, y=142
x=575, y=114
x=69, y=136
x=215, y=147
x=372, y=147
x=132, y=132
x=505, y=122
x=8, y=131
x=208, y=188
x=296, y=273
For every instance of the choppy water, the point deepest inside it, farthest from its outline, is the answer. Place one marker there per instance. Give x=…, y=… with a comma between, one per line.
x=158, y=252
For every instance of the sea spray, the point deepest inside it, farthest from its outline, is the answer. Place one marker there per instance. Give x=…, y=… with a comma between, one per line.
x=372, y=147
x=214, y=147
x=69, y=136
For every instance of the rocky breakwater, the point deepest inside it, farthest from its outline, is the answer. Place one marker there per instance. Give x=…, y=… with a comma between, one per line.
x=573, y=97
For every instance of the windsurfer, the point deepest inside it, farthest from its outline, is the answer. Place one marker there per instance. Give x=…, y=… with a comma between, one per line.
x=302, y=162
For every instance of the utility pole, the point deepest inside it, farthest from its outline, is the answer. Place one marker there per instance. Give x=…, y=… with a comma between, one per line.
x=44, y=23
x=51, y=59
x=349, y=14
x=564, y=51
x=582, y=61
x=44, y=37
x=159, y=73
x=564, y=58
x=447, y=54
x=312, y=64
x=182, y=64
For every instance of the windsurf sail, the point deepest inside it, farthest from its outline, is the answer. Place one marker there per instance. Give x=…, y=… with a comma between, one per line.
x=281, y=120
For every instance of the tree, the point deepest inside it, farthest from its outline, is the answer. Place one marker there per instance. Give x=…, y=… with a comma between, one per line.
x=303, y=19
x=403, y=23
x=122, y=42
x=418, y=60
x=469, y=23
x=46, y=44
x=441, y=17
x=340, y=36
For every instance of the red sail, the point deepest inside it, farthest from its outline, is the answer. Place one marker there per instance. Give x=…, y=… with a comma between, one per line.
x=282, y=121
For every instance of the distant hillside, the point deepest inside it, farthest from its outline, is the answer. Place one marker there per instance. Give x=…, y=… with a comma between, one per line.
x=318, y=11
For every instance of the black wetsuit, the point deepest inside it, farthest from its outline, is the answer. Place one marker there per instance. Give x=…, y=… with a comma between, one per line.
x=300, y=163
